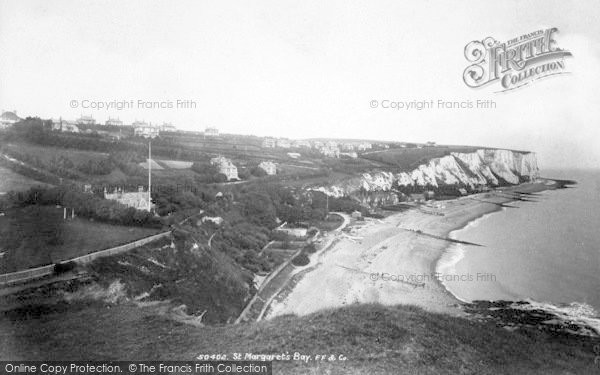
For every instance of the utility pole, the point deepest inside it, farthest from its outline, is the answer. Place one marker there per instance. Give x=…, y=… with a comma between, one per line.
x=149, y=173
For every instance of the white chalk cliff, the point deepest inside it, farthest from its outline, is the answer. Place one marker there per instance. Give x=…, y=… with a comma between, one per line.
x=482, y=167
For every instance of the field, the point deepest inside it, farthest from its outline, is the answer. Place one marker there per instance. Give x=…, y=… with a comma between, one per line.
x=175, y=164
x=35, y=236
x=10, y=180
x=153, y=163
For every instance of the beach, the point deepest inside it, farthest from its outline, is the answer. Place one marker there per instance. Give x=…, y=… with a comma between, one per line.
x=393, y=260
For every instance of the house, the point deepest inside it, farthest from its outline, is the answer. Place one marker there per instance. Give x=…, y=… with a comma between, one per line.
x=348, y=147
x=8, y=119
x=301, y=144
x=217, y=220
x=269, y=167
x=211, y=132
x=295, y=232
x=364, y=146
x=137, y=200
x=462, y=191
x=65, y=126
x=86, y=120
x=113, y=122
x=331, y=152
x=168, y=127
x=226, y=167
x=430, y=144
x=283, y=143
x=142, y=129
x=269, y=143
x=356, y=215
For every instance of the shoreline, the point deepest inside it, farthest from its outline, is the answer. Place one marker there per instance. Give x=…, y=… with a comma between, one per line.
x=344, y=273
x=435, y=265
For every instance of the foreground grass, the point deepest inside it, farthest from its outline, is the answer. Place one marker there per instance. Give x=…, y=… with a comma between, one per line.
x=375, y=339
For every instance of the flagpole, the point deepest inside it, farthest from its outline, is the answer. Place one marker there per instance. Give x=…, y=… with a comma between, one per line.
x=149, y=172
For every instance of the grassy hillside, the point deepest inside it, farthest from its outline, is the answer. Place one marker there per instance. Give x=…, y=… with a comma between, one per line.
x=37, y=235
x=373, y=338
x=409, y=158
x=12, y=181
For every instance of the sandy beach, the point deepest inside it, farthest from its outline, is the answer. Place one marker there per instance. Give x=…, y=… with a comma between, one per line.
x=388, y=261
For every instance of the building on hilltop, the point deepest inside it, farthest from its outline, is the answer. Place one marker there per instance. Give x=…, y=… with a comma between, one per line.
x=113, y=122
x=86, y=120
x=269, y=143
x=211, y=132
x=65, y=126
x=331, y=152
x=269, y=167
x=225, y=167
x=364, y=146
x=167, y=127
x=8, y=119
x=283, y=143
x=301, y=144
x=143, y=129
x=137, y=199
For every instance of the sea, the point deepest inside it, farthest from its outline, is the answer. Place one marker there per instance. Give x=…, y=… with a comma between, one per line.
x=545, y=252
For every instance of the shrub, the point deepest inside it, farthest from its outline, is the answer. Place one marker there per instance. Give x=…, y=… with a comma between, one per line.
x=60, y=268
x=301, y=260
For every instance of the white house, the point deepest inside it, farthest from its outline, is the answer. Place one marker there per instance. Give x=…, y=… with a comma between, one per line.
x=65, y=126
x=331, y=152
x=284, y=143
x=226, y=167
x=364, y=146
x=211, y=132
x=269, y=167
x=114, y=122
x=167, y=127
x=145, y=130
x=269, y=143
x=86, y=120
x=8, y=119
x=301, y=144
x=137, y=199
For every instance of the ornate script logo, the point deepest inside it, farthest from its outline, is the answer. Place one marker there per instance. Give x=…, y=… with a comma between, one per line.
x=515, y=63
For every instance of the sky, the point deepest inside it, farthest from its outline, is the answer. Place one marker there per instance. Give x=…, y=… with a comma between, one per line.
x=305, y=69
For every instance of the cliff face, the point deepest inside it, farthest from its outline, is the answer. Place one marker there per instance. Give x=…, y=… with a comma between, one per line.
x=483, y=167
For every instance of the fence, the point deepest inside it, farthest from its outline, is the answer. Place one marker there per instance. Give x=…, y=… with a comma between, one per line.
x=36, y=273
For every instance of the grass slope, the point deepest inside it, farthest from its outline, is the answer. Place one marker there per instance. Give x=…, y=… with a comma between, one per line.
x=375, y=339
x=27, y=235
